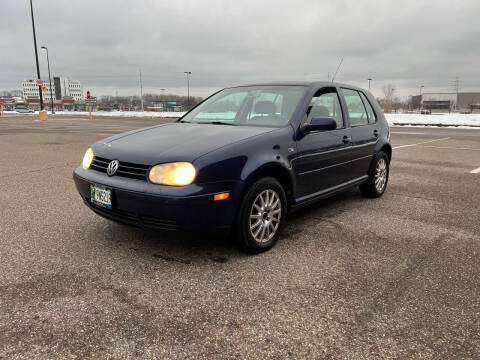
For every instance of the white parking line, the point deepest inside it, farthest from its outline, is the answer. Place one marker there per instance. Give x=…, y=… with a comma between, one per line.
x=425, y=142
x=450, y=147
x=475, y=171
x=409, y=133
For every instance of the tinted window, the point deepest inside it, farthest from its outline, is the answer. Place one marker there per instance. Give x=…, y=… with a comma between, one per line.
x=326, y=105
x=371, y=114
x=356, y=111
x=271, y=106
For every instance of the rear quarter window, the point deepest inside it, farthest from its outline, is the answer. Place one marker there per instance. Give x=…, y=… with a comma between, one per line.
x=372, y=118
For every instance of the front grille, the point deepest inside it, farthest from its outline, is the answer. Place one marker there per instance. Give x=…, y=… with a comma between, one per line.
x=129, y=217
x=125, y=169
x=116, y=214
x=159, y=223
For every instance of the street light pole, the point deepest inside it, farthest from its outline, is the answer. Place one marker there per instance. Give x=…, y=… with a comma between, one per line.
x=421, y=87
x=49, y=79
x=188, y=87
x=163, y=99
x=369, y=80
x=36, y=56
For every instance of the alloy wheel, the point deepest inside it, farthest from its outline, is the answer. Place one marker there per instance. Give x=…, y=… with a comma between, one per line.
x=265, y=215
x=381, y=174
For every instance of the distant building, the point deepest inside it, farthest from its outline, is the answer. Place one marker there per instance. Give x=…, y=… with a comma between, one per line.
x=469, y=101
x=166, y=105
x=446, y=102
x=62, y=88
x=8, y=103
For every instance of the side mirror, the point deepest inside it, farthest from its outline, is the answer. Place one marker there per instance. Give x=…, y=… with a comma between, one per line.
x=320, y=124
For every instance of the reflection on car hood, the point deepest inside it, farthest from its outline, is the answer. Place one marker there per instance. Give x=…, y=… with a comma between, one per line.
x=173, y=142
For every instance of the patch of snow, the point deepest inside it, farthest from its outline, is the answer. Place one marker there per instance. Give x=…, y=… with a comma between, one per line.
x=125, y=113
x=110, y=113
x=440, y=120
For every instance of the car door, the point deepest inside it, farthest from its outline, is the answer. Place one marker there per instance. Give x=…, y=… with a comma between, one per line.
x=364, y=131
x=322, y=160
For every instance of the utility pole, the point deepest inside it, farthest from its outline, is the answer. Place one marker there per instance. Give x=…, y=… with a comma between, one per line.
x=421, y=102
x=369, y=81
x=36, y=56
x=141, y=89
x=188, y=73
x=49, y=79
x=457, y=86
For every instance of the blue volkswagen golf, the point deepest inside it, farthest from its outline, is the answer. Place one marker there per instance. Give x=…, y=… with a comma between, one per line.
x=241, y=160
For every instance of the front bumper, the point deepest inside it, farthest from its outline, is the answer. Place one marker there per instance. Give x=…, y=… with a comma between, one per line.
x=140, y=203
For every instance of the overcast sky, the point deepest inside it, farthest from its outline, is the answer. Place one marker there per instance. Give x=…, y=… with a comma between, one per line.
x=104, y=43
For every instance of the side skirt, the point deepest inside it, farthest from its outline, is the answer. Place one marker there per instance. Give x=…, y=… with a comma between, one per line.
x=309, y=199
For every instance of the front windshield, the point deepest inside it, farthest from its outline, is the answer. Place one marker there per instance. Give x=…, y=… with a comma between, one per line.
x=270, y=106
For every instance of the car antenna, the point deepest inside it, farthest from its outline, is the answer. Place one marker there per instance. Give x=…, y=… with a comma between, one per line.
x=338, y=68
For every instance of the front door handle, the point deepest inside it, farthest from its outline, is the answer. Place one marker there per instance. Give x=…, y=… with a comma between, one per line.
x=375, y=133
x=346, y=139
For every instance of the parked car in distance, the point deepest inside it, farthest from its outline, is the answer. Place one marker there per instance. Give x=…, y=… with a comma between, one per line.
x=241, y=160
x=24, y=110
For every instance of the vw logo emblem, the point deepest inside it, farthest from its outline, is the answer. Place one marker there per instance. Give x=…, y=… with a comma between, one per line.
x=112, y=167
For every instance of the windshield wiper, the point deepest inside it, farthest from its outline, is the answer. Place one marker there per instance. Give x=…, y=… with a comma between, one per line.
x=220, y=123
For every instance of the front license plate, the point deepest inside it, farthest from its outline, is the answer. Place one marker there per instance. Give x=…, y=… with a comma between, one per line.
x=101, y=195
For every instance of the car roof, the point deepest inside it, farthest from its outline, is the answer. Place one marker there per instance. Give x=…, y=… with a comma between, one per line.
x=312, y=84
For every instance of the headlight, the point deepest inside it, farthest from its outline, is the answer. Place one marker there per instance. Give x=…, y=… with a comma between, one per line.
x=177, y=174
x=87, y=158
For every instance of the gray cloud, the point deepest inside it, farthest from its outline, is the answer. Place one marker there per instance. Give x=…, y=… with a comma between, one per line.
x=104, y=43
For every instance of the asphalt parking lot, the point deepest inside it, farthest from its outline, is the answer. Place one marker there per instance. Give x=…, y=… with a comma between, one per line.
x=351, y=278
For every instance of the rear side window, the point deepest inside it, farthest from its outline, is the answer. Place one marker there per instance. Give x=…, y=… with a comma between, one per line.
x=371, y=114
x=356, y=110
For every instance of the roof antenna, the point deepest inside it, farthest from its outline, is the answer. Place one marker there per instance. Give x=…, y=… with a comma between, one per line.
x=338, y=68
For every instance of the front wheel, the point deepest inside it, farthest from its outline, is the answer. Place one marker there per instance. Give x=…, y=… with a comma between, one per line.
x=261, y=216
x=377, y=183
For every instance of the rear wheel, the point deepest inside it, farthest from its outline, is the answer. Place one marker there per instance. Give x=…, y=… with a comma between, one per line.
x=377, y=183
x=261, y=216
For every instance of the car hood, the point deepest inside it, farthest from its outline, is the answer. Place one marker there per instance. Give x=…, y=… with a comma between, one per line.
x=173, y=142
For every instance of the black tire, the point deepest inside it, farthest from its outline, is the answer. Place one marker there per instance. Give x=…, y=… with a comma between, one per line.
x=242, y=232
x=369, y=189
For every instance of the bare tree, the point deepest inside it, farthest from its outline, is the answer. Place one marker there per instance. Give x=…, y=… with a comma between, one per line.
x=389, y=96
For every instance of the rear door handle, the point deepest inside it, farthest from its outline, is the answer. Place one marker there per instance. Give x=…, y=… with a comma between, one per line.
x=375, y=133
x=346, y=139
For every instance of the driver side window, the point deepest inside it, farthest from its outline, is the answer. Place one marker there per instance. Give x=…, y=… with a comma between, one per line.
x=326, y=104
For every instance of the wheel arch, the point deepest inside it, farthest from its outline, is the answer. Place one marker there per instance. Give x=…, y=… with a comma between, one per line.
x=276, y=171
x=387, y=149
